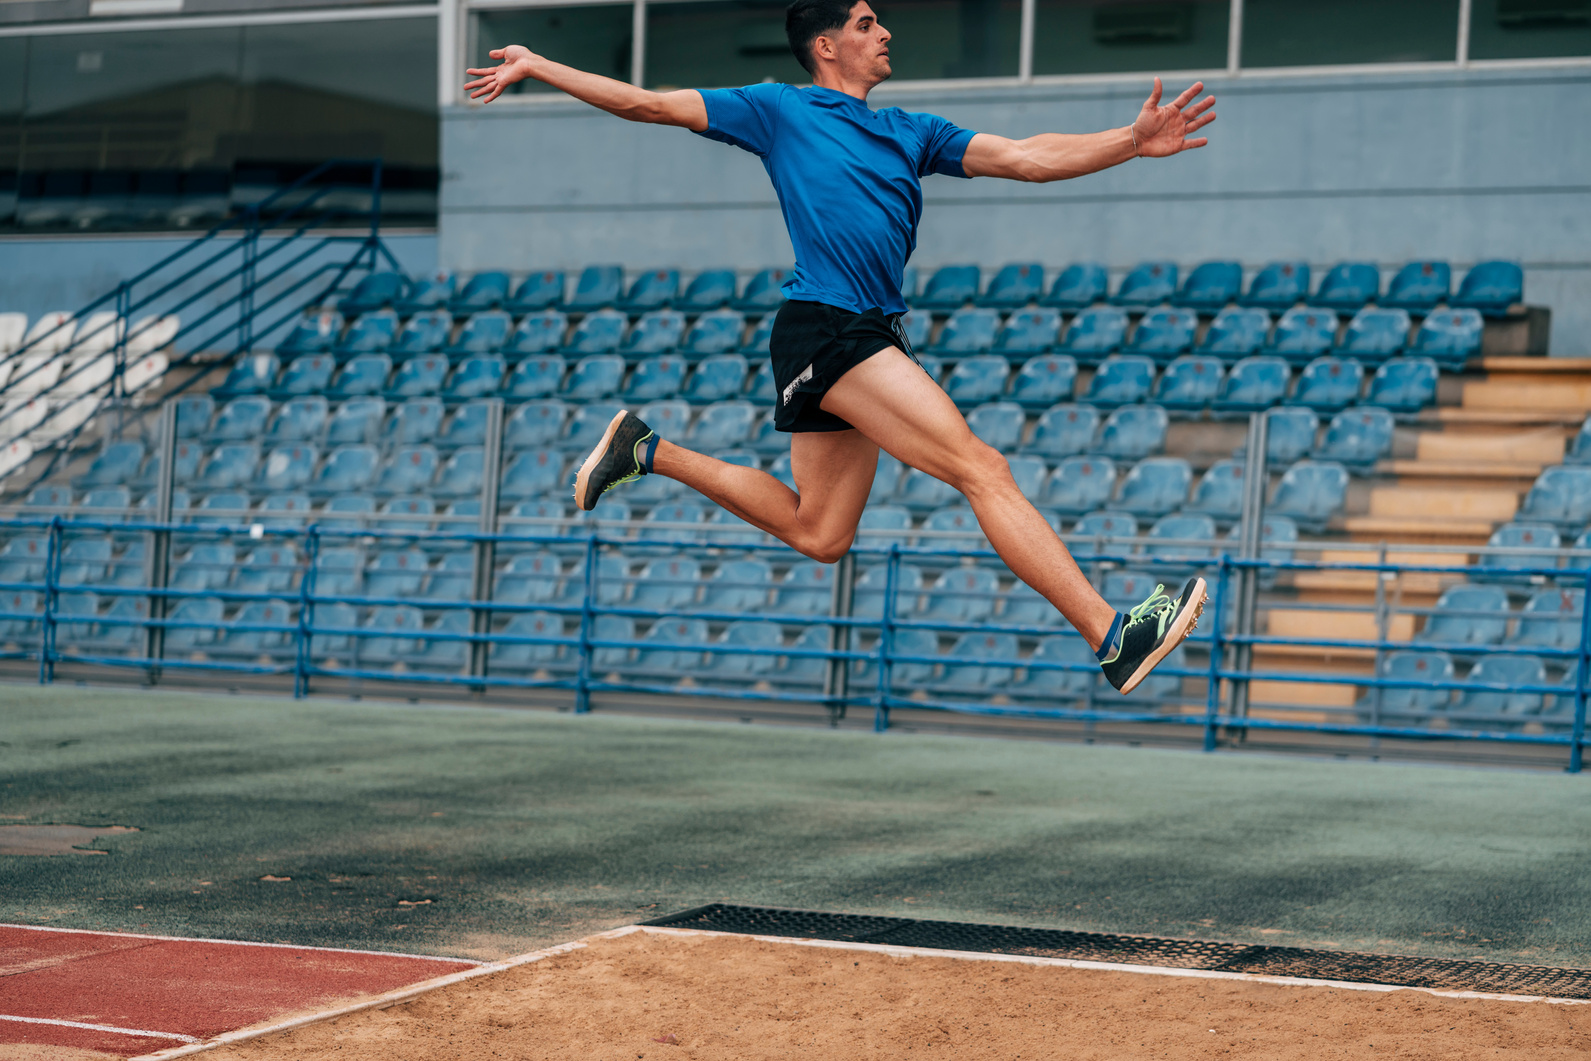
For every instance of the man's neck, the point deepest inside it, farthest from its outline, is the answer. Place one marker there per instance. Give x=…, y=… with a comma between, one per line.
x=836, y=83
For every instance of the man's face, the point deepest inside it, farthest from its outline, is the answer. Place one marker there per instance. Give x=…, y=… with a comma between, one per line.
x=861, y=47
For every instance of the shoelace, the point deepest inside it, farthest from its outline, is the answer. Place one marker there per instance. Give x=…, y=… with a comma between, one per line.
x=1157, y=603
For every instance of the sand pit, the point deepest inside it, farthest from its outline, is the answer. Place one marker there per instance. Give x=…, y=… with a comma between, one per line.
x=648, y=996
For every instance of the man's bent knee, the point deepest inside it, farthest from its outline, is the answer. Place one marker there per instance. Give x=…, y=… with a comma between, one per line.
x=979, y=466
x=825, y=549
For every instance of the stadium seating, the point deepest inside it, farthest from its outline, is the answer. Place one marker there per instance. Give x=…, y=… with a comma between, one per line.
x=968, y=331
x=1347, y=287
x=763, y=293
x=1094, y=333
x=1210, y=286
x=709, y=290
x=1450, y=337
x=997, y=423
x=1357, y=438
x=1550, y=619
x=715, y=332
x=1517, y=535
x=1329, y=384
x=374, y=292
x=1278, y=286
x=1106, y=525
x=1493, y=288
x=1028, y=332
x=1419, y=287
x=372, y=333
x=1190, y=382
x=536, y=293
x=977, y=379
x=1014, y=286
x=1310, y=493
x=1043, y=381
x=1077, y=287
x=1562, y=496
x=652, y=290
x=1164, y=333
x=483, y=333
x=1468, y=615
x=1404, y=384
x=423, y=333
x=1254, y=383
x=1235, y=333
x=1146, y=285
x=1155, y=487
x=1169, y=551
x=1303, y=334
x=598, y=287
x=1079, y=485
x=1132, y=432
x=1373, y=335
x=1410, y=704
x=1219, y=492
x=1121, y=379
x=1513, y=673
x=949, y=288
x=483, y=291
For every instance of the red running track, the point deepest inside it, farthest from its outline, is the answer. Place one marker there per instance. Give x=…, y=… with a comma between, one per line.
x=131, y=995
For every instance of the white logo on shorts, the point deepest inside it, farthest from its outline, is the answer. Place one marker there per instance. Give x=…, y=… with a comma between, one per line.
x=789, y=392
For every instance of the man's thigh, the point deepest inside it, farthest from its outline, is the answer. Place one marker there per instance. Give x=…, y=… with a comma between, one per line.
x=833, y=473
x=892, y=401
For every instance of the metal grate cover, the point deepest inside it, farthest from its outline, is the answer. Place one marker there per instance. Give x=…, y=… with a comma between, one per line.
x=1441, y=973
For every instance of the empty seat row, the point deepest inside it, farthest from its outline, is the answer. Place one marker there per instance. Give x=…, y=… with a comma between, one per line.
x=1500, y=688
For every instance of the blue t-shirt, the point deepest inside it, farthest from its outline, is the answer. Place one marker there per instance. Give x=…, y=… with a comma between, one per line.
x=849, y=181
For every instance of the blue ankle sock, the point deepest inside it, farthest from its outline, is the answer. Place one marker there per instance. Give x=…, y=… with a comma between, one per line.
x=1107, y=646
x=649, y=453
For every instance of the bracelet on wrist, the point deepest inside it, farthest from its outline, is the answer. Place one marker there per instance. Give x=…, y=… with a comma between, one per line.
x=1133, y=128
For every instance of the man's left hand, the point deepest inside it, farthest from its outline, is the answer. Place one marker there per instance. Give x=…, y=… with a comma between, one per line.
x=1162, y=131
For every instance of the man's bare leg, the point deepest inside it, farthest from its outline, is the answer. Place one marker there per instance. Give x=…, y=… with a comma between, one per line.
x=889, y=399
x=833, y=473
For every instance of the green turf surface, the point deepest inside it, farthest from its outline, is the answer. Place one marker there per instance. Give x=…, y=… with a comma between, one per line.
x=524, y=828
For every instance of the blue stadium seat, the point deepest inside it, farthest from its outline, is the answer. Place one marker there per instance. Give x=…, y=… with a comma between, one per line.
x=1064, y=430
x=82, y=605
x=757, y=345
x=249, y=374
x=538, y=333
x=526, y=656
x=1513, y=672
x=598, y=286
x=1061, y=649
x=15, y=607
x=1210, y=286
x=340, y=569
x=1079, y=485
x=746, y=666
x=1043, y=381
x=760, y=388
x=207, y=566
x=1014, y=286
x=466, y=427
x=1491, y=287
x=476, y=377
x=194, y=412
x=373, y=292
x=49, y=496
x=956, y=519
x=1029, y=473
x=909, y=285
x=371, y=334
x=886, y=478
x=1357, y=438
x=314, y=333
x=1122, y=379
x=1124, y=590
x=882, y=526
x=933, y=366
x=872, y=583
x=444, y=654
x=738, y=586
x=1450, y=337
x=111, y=503
x=416, y=420
x=1077, y=287
x=1029, y=331
x=722, y=425
x=405, y=515
x=1404, y=384
x=672, y=662
x=717, y=378
x=1132, y=432
x=233, y=506
x=658, y=330
x=1106, y=525
x=668, y=584
x=241, y=419
x=596, y=376
x=364, y=376
x=301, y=419
x=428, y=294
x=1560, y=495
x=186, y=466
x=1164, y=333
x=917, y=326
x=654, y=378
x=1348, y=286
x=763, y=292
x=920, y=491
x=949, y=288
x=1155, y=487
x=651, y=290
x=806, y=589
x=1375, y=335
x=418, y=376
x=780, y=469
x=1278, y=530
x=1290, y=435
x=717, y=332
x=116, y=464
x=538, y=376
x=1550, y=619
x=533, y=473
x=1189, y=382
x=537, y=292
x=22, y=559
x=613, y=577
x=395, y=573
x=1303, y=334
x=1310, y=493
x=407, y=471
x=1021, y=605
x=710, y=289
x=1094, y=333
x=999, y=424
x=84, y=561
x=1542, y=538
x=1254, y=383
x=1401, y=705
x=1147, y=284
x=193, y=625
x=1278, y=286
x=483, y=291
x=291, y=510
x=484, y=333
x=977, y=677
x=669, y=417
x=968, y=331
x=1468, y=615
x=1419, y=286
x=963, y=595
x=1220, y=491
x=423, y=333
x=1235, y=333
x=598, y=333
x=288, y=467
x=267, y=569
x=977, y=379
x=461, y=474
x=674, y=512
x=396, y=625
x=1180, y=561
x=1329, y=384
x=531, y=578
x=231, y=465
x=1580, y=445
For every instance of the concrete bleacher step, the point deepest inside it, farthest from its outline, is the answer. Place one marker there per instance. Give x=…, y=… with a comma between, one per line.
x=1435, y=512
x=1343, y=625
x=1316, y=584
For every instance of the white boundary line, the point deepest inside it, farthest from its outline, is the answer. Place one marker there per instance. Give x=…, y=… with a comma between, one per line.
x=414, y=990
x=240, y=943
x=99, y=1028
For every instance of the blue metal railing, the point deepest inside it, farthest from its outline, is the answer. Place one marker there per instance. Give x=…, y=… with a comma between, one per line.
x=320, y=642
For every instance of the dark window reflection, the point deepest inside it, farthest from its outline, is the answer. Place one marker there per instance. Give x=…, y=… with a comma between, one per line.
x=938, y=39
x=595, y=38
x=717, y=44
x=1289, y=33
x=1529, y=29
x=1109, y=36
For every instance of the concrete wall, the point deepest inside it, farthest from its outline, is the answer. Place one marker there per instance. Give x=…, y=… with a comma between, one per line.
x=1387, y=167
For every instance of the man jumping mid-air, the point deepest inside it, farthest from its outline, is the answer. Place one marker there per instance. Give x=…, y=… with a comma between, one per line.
x=849, y=183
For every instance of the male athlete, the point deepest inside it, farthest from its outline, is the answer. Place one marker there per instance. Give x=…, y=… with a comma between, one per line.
x=849, y=183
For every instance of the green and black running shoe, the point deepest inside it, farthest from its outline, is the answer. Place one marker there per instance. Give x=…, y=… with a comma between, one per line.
x=617, y=459
x=1151, y=631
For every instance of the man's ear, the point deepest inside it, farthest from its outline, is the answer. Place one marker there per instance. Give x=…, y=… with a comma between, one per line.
x=823, y=47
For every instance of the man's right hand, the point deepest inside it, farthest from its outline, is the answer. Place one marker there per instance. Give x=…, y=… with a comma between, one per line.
x=491, y=80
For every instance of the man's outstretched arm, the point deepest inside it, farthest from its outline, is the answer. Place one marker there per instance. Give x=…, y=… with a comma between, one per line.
x=1156, y=132
x=683, y=108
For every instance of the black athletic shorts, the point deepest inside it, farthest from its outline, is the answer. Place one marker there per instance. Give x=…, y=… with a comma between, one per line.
x=813, y=345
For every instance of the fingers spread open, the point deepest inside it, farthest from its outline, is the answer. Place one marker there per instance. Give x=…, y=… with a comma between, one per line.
x=1154, y=95
x=1200, y=123
x=1187, y=94
x=1200, y=107
x=1189, y=145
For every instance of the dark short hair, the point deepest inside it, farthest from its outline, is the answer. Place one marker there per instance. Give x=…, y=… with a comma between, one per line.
x=807, y=20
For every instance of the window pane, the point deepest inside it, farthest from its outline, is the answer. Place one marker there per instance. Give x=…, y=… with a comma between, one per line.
x=1529, y=29
x=1107, y=36
x=309, y=95
x=595, y=38
x=13, y=67
x=1289, y=33
x=936, y=39
x=711, y=45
